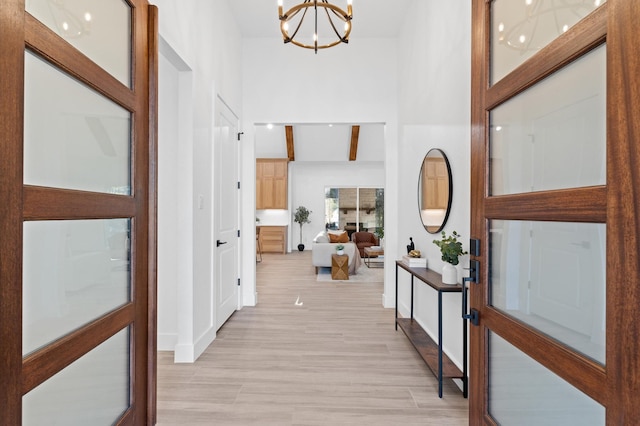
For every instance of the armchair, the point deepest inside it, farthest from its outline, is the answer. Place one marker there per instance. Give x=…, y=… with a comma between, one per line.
x=364, y=239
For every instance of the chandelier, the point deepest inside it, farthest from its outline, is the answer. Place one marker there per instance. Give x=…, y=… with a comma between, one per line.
x=323, y=32
x=540, y=20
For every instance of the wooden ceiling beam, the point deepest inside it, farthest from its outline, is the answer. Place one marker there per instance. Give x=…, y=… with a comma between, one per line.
x=289, y=136
x=353, y=151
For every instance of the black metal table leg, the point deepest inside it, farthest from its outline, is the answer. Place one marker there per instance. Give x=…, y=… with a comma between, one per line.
x=440, y=344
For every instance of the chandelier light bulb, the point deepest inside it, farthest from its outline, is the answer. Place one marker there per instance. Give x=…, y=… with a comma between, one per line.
x=65, y=26
x=565, y=28
x=87, y=17
x=501, y=27
x=522, y=38
x=528, y=2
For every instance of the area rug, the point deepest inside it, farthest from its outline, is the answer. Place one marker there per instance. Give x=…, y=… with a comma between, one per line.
x=364, y=275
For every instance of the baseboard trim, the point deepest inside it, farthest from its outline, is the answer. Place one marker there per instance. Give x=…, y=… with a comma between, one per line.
x=189, y=353
x=167, y=341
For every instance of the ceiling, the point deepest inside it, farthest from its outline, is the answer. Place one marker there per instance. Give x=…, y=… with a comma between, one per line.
x=371, y=18
x=321, y=142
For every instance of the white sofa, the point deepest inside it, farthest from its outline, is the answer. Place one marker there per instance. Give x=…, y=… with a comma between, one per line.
x=322, y=249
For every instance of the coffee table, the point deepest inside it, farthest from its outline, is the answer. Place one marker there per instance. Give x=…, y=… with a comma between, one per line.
x=370, y=252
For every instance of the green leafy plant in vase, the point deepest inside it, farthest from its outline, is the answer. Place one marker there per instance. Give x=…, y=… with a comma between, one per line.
x=301, y=216
x=451, y=250
x=379, y=232
x=340, y=249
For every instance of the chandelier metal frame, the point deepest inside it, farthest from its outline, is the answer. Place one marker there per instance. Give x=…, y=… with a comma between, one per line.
x=332, y=12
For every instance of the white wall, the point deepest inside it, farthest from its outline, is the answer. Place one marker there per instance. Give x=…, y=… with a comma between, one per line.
x=168, y=212
x=418, y=88
x=434, y=112
x=282, y=83
x=308, y=183
x=190, y=29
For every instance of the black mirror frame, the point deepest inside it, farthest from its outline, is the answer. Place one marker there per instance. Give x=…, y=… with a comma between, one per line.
x=450, y=197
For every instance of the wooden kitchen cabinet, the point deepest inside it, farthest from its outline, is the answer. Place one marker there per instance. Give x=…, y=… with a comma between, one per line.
x=273, y=239
x=271, y=183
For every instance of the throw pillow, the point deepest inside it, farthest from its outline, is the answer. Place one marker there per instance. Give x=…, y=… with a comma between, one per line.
x=340, y=238
x=321, y=238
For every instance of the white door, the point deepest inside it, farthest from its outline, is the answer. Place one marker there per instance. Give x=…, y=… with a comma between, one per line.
x=226, y=247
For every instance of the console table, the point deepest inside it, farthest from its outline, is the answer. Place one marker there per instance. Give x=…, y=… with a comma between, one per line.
x=437, y=361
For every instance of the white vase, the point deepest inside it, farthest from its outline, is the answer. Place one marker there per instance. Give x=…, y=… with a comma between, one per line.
x=449, y=274
x=340, y=252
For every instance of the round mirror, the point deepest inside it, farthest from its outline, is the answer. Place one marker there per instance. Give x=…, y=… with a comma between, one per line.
x=435, y=189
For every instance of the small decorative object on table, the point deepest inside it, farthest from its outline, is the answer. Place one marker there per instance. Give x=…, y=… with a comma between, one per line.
x=340, y=249
x=451, y=250
x=415, y=259
x=410, y=246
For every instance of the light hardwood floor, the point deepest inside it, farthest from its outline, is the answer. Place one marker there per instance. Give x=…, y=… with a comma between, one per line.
x=334, y=360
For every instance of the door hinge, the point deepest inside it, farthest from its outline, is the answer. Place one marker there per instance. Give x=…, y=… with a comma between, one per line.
x=240, y=134
x=238, y=282
x=238, y=185
x=238, y=233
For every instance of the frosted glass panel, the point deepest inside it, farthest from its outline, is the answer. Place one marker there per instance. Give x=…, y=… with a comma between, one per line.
x=100, y=29
x=94, y=390
x=551, y=276
x=521, y=28
x=74, y=138
x=553, y=136
x=523, y=392
x=74, y=272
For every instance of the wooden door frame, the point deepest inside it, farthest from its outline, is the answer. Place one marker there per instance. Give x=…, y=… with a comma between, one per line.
x=19, y=203
x=11, y=170
x=615, y=385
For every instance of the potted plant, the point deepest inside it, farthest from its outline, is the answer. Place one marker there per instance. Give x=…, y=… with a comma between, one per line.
x=301, y=216
x=379, y=232
x=340, y=249
x=451, y=250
